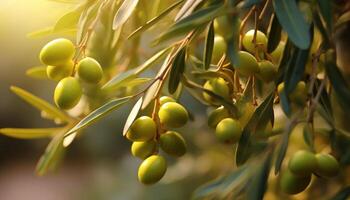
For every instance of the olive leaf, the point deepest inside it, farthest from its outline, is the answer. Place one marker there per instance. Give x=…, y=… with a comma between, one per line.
x=326, y=10
x=342, y=194
x=68, y=20
x=37, y=72
x=293, y=22
x=41, y=104
x=187, y=9
x=124, y=12
x=132, y=116
x=205, y=74
x=48, y=31
x=88, y=13
x=123, y=79
x=153, y=21
x=308, y=136
x=177, y=69
x=344, y=18
x=209, y=45
x=250, y=3
x=274, y=34
x=150, y=94
x=98, y=114
x=29, y=133
x=233, y=41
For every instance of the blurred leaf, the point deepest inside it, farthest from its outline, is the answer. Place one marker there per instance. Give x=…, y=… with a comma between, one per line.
x=187, y=9
x=344, y=18
x=89, y=12
x=49, y=32
x=48, y=161
x=40, y=104
x=205, y=74
x=343, y=194
x=132, y=116
x=122, y=79
x=319, y=24
x=324, y=101
x=29, y=133
x=66, y=1
x=293, y=22
x=196, y=19
x=250, y=3
x=209, y=44
x=326, y=10
x=221, y=187
x=98, y=114
x=308, y=136
x=37, y=72
x=258, y=185
x=138, y=81
x=177, y=70
x=124, y=12
x=68, y=21
x=274, y=36
x=233, y=41
x=260, y=118
x=153, y=21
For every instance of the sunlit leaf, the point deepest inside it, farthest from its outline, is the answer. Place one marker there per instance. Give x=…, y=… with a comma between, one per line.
x=177, y=70
x=153, y=21
x=150, y=95
x=37, y=72
x=132, y=115
x=124, y=12
x=98, y=114
x=293, y=22
x=40, y=104
x=48, y=31
x=68, y=21
x=29, y=133
x=187, y=9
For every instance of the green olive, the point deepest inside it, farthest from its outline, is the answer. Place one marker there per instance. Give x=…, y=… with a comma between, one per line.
x=220, y=26
x=217, y=115
x=277, y=53
x=152, y=169
x=67, y=93
x=143, y=149
x=219, y=87
x=57, y=52
x=293, y=184
x=327, y=165
x=173, y=143
x=219, y=49
x=89, y=70
x=165, y=99
x=59, y=72
x=267, y=71
x=143, y=129
x=298, y=95
x=302, y=163
x=248, y=44
x=248, y=65
x=173, y=115
x=228, y=130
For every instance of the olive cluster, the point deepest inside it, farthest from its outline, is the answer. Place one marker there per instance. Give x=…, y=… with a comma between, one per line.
x=147, y=137
x=301, y=166
x=58, y=56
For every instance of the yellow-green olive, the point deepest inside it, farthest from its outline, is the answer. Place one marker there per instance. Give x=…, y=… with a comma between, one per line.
x=143, y=129
x=61, y=71
x=249, y=45
x=293, y=184
x=298, y=95
x=143, y=149
x=152, y=169
x=173, y=143
x=165, y=99
x=57, y=52
x=302, y=163
x=267, y=71
x=89, y=70
x=219, y=48
x=327, y=165
x=173, y=115
x=228, y=130
x=217, y=115
x=219, y=87
x=247, y=65
x=67, y=93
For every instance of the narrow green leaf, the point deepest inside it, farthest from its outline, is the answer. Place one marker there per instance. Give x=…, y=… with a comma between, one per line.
x=250, y=3
x=344, y=18
x=342, y=194
x=37, y=72
x=260, y=118
x=29, y=133
x=209, y=44
x=155, y=20
x=98, y=114
x=292, y=22
x=177, y=69
x=191, y=22
x=233, y=42
x=121, y=80
x=326, y=10
x=205, y=74
x=187, y=9
x=48, y=31
x=40, y=104
x=124, y=12
x=274, y=36
x=132, y=116
x=308, y=136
